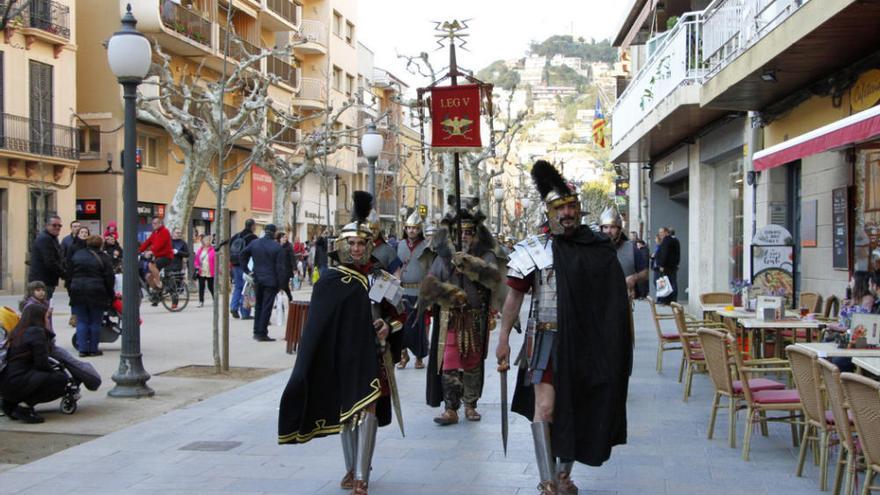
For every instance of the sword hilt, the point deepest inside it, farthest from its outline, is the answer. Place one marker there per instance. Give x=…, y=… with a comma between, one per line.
x=503, y=366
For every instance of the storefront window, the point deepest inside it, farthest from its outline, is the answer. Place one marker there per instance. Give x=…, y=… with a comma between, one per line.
x=727, y=223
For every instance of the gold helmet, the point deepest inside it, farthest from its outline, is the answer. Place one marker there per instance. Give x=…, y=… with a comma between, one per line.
x=554, y=191
x=358, y=227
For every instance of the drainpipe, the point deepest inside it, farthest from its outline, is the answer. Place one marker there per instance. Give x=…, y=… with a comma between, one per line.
x=753, y=141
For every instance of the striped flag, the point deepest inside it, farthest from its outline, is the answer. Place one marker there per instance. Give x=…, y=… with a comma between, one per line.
x=599, y=126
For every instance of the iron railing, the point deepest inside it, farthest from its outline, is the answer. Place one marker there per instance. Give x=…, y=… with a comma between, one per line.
x=39, y=137
x=283, y=70
x=45, y=15
x=312, y=89
x=186, y=22
x=236, y=51
x=284, y=8
x=283, y=137
x=314, y=31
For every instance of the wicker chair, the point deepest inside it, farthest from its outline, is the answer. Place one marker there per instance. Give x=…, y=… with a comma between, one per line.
x=848, y=454
x=666, y=341
x=759, y=403
x=716, y=298
x=694, y=362
x=717, y=347
x=832, y=307
x=811, y=301
x=805, y=372
x=863, y=397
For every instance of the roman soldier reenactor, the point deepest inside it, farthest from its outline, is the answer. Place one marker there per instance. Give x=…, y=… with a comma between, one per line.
x=413, y=252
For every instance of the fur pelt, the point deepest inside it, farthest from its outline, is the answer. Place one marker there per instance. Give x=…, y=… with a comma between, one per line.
x=433, y=291
x=441, y=244
x=477, y=269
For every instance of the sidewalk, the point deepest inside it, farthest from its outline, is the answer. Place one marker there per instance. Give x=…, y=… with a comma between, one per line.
x=226, y=444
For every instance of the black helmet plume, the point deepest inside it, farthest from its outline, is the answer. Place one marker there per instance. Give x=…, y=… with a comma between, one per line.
x=547, y=179
x=362, y=205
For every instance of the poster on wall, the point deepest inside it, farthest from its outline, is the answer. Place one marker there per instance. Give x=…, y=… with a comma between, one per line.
x=772, y=252
x=261, y=189
x=840, y=229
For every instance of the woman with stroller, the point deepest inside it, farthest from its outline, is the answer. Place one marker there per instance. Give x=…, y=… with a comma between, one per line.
x=91, y=293
x=204, y=266
x=29, y=376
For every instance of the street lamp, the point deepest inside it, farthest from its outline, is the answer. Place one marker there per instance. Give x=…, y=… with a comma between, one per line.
x=499, y=196
x=295, y=196
x=371, y=146
x=129, y=55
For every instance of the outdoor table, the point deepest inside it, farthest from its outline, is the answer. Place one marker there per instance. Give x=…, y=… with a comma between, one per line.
x=711, y=308
x=869, y=364
x=777, y=325
x=830, y=349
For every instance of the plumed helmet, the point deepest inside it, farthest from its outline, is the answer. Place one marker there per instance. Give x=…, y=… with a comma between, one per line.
x=358, y=227
x=610, y=216
x=554, y=191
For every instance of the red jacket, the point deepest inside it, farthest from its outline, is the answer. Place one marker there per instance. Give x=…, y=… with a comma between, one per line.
x=159, y=243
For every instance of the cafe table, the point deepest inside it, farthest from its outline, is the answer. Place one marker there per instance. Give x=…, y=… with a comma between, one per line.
x=789, y=323
x=711, y=308
x=830, y=350
x=869, y=364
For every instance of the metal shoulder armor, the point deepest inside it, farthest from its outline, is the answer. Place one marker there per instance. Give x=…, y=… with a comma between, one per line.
x=525, y=258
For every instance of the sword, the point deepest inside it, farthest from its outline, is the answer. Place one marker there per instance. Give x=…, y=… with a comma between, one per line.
x=388, y=362
x=502, y=372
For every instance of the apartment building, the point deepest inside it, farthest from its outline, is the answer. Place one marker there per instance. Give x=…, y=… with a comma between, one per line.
x=747, y=113
x=39, y=146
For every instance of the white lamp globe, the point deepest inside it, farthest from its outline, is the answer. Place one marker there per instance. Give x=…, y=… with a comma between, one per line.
x=526, y=202
x=295, y=196
x=371, y=142
x=128, y=51
x=499, y=193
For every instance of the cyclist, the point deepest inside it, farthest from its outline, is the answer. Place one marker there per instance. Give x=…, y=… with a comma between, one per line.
x=157, y=249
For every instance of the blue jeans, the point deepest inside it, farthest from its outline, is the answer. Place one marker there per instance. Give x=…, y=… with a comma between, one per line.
x=88, y=327
x=238, y=287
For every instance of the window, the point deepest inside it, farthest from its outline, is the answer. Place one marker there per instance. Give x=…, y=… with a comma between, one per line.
x=337, y=23
x=349, y=33
x=349, y=84
x=337, y=78
x=90, y=140
x=148, y=147
x=41, y=102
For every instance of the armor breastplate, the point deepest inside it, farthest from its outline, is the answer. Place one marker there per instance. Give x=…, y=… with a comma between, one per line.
x=626, y=257
x=544, y=294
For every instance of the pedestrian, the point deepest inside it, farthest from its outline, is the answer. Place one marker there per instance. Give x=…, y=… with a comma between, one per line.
x=580, y=349
x=78, y=242
x=417, y=260
x=320, y=262
x=286, y=262
x=91, y=294
x=392, y=241
x=338, y=384
x=181, y=252
x=158, y=251
x=204, y=267
x=237, y=244
x=68, y=239
x=111, y=230
x=267, y=281
x=29, y=376
x=35, y=293
x=46, y=257
x=299, y=248
x=635, y=267
x=472, y=275
x=114, y=251
x=668, y=258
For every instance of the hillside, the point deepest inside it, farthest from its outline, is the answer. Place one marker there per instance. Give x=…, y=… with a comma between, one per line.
x=567, y=46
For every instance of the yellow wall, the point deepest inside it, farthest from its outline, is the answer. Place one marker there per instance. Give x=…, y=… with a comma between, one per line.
x=809, y=115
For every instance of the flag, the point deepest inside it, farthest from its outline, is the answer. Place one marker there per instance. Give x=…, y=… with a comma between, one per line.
x=599, y=125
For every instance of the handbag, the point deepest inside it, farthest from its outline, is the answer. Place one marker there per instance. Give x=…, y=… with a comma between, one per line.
x=663, y=286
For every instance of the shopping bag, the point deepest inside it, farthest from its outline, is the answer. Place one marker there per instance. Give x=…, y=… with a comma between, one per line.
x=315, y=275
x=248, y=292
x=664, y=287
x=279, y=309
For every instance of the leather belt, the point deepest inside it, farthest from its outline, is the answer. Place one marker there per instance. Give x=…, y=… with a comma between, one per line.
x=546, y=327
x=410, y=286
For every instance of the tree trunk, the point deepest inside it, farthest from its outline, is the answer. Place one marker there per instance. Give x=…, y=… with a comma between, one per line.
x=281, y=205
x=195, y=169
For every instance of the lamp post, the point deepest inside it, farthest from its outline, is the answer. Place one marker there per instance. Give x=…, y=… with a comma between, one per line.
x=526, y=202
x=129, y=55
x=371, y=146
x=295, y=196
x=499, y=196
x=400, y=227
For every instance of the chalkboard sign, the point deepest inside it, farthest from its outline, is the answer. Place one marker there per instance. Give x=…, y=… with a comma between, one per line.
x=840, y=229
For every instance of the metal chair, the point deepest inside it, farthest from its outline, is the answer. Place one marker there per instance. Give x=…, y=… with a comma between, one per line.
x=805, y=372
x=863, y=396
x=848, y=454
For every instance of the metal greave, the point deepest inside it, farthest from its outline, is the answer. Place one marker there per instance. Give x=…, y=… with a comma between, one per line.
x=366, y=444
x=349, y=444
x=564, y=467
x=543, y=452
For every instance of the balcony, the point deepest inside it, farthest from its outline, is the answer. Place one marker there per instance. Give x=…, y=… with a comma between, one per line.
x=312, y=94
x=187, y=23
x=28, y=138
x=286, y=137
x=44, y=20
x=237, y=51
x=315, y=35
x=660, y=107
x=279, y=15
x=760, y=51
x=286, y=73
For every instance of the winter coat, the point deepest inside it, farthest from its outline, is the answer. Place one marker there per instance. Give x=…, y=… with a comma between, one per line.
x=248, y=237
x=212, y=258
x=265, y=252
x=91, y=281
x=76, y=245
x=115, y=254
x=159, y=243
x=286, y=263
x=115, y=232
x=181, y=251
x=28, y=366
x=46, y=260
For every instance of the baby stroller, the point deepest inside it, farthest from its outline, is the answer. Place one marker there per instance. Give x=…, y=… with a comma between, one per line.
x=111, y=324
x=71, y=391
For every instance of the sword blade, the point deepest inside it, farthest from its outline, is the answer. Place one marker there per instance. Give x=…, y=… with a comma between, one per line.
x=392, y=385
x=503, y=375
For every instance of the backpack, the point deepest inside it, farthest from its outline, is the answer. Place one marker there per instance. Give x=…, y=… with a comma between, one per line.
x=8, y=320
x=235, y=249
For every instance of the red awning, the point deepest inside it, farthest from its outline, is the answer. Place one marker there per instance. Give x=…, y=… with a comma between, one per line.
x=856, y=128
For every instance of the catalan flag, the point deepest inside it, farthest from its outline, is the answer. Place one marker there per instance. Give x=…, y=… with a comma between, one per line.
x=599, y=125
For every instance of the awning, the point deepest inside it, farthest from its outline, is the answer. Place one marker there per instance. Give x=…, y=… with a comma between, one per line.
x=856, y=128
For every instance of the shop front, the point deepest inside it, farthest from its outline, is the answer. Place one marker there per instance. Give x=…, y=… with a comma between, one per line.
x=202, y=220
x=88, y=212
x=146, y=212
x=669, y=200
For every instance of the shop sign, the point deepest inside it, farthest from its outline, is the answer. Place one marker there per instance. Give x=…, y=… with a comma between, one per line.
x=773, y=262
x=203, y=214
x=866, y=91
x=151, y=210
x=88, y=209
x=160, y=211
x=261, y=189
x=455, y=118
x=145, y=210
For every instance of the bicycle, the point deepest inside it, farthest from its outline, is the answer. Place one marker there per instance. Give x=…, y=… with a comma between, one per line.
x=174, y=294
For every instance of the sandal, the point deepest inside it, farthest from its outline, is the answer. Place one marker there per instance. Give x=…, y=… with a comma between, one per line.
x=564, y=484
x=547, y=488
x=347, y=482
x=404, y=359
x=359, y=488
x=471, y=414
x=419, y=364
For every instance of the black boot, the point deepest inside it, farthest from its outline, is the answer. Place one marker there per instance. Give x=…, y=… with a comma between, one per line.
x=27, y=415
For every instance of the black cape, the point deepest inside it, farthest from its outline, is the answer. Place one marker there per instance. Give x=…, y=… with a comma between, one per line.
x=593, y=358
x=337, y=371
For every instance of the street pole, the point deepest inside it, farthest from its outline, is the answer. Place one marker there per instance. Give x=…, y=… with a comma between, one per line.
x=131, y=377
x=499, y=219
x=371, y=175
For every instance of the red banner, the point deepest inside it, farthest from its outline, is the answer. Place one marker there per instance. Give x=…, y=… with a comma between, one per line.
x=455, y=118
x=261, y=189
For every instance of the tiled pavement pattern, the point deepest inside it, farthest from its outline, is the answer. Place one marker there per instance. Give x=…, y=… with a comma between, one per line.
x=668, y=452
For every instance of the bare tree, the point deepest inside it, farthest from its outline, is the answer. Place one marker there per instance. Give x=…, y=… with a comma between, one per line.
x=11, y=12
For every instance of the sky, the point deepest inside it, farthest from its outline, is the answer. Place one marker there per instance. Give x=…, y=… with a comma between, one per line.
x=498, y=29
